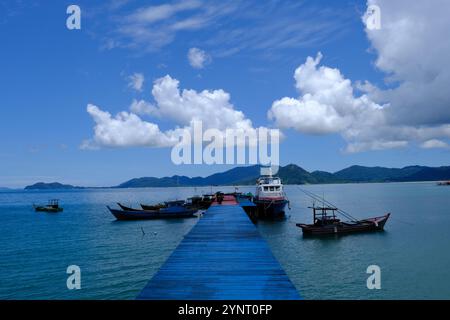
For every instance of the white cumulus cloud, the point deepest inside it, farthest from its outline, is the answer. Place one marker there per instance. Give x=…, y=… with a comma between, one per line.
x=413, y=51
x=412, y=48
x=181, y=107
x=125, y=130
x=213, y=107
x=327, y=104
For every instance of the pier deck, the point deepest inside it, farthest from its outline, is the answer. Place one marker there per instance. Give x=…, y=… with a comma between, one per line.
x=223, y=257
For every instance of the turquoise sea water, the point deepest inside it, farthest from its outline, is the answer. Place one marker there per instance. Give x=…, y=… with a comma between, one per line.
x=118, y=258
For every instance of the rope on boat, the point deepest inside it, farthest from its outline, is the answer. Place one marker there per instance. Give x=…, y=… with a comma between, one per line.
x=288, y=202
x=317, y=198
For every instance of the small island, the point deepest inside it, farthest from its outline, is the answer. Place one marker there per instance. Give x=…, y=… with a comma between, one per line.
x=51, y=186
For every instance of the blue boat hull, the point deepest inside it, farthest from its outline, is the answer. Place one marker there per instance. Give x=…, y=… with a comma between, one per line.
x=155, y=214
x=270, y=208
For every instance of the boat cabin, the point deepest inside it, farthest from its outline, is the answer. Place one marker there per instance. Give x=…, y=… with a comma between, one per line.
x=324, y=215
x=53, y=203
x=269, y=187
x=52, y=206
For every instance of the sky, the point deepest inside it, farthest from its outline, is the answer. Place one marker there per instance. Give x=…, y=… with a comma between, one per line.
x=99, y=105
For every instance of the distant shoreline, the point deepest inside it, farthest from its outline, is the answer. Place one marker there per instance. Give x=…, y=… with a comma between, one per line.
x=227, y=186
x=290, y=174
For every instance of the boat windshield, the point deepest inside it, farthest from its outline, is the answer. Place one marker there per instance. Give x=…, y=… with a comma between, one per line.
x=269, y=181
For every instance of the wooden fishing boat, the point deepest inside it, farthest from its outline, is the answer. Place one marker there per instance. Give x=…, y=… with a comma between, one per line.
x=51, y=207
x=200, y=202
x=328, y=224
x=173, y=209
x=147, y=214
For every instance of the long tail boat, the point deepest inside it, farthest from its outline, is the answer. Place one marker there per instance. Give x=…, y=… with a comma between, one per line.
x=174, y=209
x=147, y=214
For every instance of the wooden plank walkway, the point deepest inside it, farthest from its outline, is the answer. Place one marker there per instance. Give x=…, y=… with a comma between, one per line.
x=223, y=257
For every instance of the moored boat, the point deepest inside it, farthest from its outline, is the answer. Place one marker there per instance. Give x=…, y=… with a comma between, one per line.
x=173, y=209
x=51, y=207
x=270, y=199
x=325, y=222
x=147, y=214
x=200, y=202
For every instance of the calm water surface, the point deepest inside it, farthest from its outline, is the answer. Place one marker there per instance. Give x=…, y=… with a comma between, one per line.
x=118, y=258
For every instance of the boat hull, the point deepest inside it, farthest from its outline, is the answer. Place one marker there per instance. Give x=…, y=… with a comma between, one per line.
x=151, y=214
x=270, y=208
x=341, y=228
x=48, y=209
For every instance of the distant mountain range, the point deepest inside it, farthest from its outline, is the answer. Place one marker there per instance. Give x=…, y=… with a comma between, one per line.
x=290, y=174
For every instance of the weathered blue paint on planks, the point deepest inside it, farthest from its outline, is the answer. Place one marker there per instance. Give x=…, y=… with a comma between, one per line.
x=223, y=257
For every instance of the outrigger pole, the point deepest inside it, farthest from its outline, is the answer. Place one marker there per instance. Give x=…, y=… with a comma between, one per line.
x=317, y=198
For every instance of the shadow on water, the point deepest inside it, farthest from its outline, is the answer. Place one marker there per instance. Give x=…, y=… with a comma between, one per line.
x=269, y=220
x=334, y=237
x=172, y=221
x=178, y=220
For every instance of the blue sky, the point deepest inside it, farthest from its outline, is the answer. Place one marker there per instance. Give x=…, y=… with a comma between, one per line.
x=49, y=75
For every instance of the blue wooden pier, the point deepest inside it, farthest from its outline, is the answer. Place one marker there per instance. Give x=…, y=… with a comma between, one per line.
x=223, y=257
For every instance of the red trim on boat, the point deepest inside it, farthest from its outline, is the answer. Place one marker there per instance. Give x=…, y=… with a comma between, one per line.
x=271, y=199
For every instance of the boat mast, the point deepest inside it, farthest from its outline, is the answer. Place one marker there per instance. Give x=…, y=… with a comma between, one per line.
x=329, y=204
